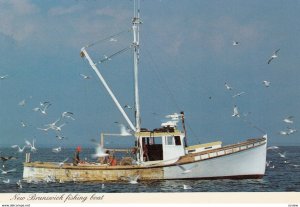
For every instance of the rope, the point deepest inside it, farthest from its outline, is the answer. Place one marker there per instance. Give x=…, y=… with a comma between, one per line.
x=114, y=54
x=107, y=38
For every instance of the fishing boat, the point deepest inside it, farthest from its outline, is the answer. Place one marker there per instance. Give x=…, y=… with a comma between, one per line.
x=158, y=154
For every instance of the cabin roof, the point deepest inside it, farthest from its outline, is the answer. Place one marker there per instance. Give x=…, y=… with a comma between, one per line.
x=159, y=133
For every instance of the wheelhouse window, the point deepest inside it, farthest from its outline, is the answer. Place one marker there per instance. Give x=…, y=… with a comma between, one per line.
x=169, y=140
x=177, y=140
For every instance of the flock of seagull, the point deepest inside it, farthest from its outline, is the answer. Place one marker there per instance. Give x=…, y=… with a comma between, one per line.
x=55, y=126
x=266, y=83
x=289, y=120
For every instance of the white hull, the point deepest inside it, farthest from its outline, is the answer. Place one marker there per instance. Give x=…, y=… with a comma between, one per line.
x=243, y=164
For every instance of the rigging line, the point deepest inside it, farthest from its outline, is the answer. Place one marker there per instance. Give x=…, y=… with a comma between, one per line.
x=254, y=126
x=107, y=38
x=114, y=54
x=168, y=90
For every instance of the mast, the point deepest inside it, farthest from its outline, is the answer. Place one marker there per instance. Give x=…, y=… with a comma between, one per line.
x=136, y=42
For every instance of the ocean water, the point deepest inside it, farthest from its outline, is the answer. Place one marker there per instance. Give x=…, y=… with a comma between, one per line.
x=284, y=177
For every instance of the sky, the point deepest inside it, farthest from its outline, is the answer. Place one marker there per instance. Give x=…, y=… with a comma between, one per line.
x=186, y=57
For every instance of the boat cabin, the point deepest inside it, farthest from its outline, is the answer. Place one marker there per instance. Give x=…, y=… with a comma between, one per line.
x=166, y=143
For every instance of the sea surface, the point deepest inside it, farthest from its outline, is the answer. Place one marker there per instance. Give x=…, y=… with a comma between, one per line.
x=283, y=177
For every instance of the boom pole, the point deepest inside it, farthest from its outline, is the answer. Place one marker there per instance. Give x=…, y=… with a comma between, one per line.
x=94, y=67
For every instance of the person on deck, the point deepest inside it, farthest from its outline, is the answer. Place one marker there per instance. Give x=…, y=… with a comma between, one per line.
x=76, y=158
x=145, y=152
x=112, y=160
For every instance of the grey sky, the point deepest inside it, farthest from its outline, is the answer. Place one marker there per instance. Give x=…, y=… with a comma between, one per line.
x=186, y=57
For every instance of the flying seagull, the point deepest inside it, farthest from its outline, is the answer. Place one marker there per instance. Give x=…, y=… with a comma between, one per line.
x=56, y=150
x=31, y=145
x=60, y=164
x=3, y=77
x=124, y=131
x=68, y=115
x=127, y=106
x=272, y=148
x=20, y=150
x=235, y=43
x=43, y=108
x=238, y=94
x=288, y=120
x=99, y=150
x=113, y=40
x=5, y=158
x=4, y=172
x=235, y=112
x=22, y=103
x=187, y=187
x=85, y=76
x=133, y=179
x=274, y=55
x=266, y=83
x=228, y=87
x=186, y=170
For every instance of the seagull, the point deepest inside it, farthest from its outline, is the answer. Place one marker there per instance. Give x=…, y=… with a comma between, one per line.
x=102, y=186
x=4, y=159
x=266, y=83
x=3, y=77
x=6, y=181
x=124, y=131
x=106, y=57
x=228, y=87
x=56, y=150
x=186, y=170
x=20, y=150
x=44, y=104
x=67, y=114
x=23, y=124
x=268, y=163
x=60, y=137
x=53, y=124
x=58, y=128
x=235, y=43
x=19, y=183
x=22, y=103
x=282, y=154
x=85, y=76
x=32, y=147
x=284, y=133
x=44, y=129
x=235, y=112
x=291, y=131
x=63, y=162
x=4, y=172
x=113, y=40
x=99, y=152
x=272, y=148
x=273, y=56
x=288, y=120
x=238, y=94
x=133, y=179
x=44, y=107
x=127, y=106
x=187, y=187
x=273, y=166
